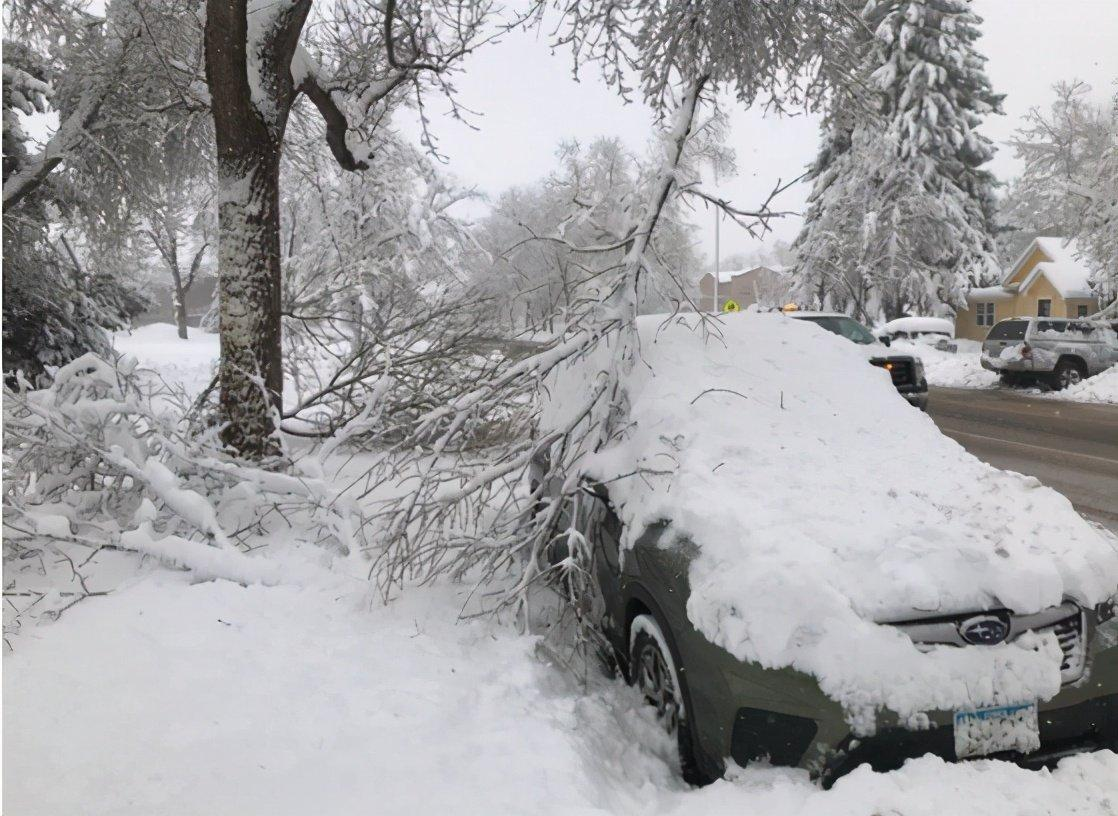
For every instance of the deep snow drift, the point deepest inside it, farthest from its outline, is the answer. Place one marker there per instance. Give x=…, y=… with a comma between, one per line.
x=822, y=502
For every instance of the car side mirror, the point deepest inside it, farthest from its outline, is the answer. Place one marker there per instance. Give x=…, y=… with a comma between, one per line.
x=885, y=340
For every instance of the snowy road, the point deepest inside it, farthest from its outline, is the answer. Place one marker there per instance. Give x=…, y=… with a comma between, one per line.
x=1072, y=447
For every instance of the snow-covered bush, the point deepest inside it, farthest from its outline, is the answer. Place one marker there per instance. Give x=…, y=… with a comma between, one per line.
x=103, y=458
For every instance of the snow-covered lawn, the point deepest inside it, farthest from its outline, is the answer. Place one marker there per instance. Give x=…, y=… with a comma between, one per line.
x=188, y=363
x=168, y=697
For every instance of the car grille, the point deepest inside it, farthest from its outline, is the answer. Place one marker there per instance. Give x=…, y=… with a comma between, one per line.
x=1069, y=632
x=899, y=370
x=1064, y=621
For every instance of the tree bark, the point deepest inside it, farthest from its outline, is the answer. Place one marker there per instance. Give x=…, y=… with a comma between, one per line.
x=249, y=134
x=248, y=152
x=178, y=304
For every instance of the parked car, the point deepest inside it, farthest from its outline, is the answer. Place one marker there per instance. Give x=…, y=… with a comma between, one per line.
x=1056, y=351
x=906, y=370
x=925, y=329
x=783, y=584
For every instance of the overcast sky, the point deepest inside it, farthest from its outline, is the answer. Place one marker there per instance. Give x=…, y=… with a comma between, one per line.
x=529, y=102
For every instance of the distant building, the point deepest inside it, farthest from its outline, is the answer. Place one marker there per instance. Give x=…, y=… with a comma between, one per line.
x=761, y=284
x=1048, y=280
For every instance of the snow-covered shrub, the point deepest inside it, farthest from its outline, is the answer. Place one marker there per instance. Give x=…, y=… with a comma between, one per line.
x=103, y=458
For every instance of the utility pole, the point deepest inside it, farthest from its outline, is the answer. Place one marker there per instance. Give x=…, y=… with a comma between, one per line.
x=717, y=258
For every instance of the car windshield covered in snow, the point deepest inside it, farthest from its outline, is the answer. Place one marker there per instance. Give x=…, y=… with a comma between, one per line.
x=841, y=325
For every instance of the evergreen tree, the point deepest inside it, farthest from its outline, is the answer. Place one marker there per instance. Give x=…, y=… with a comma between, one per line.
x=902, y=211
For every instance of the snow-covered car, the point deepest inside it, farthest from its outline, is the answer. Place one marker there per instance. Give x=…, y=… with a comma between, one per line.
x=784, y=585
x=1057, y=351
x=925, y=329
x=906, y=370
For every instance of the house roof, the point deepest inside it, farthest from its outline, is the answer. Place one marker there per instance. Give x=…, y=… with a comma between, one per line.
x=726, y=275
x=1065, y=271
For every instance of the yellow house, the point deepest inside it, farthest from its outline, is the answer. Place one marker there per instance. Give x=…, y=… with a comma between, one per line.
x=1048, y=280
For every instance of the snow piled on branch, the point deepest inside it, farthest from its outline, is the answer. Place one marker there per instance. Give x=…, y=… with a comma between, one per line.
x=821, y=503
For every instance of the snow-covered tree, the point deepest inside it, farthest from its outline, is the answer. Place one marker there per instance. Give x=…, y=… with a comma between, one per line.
x=256, y=68
x=64, y=60
x=374, y=297
x=902, y=211
x=62, y=286
x=1069, y=186
x=536, y=279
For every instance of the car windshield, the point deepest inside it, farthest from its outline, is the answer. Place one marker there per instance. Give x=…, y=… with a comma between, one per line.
x=1009, y=330
x=843, y=326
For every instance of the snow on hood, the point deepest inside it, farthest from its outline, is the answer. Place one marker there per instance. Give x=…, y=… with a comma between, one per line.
x=822, y=502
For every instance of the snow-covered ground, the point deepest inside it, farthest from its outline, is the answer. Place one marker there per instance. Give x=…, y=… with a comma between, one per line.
x=188, y=363
x=168, y=697
x=171, y=695
x=1100, y=388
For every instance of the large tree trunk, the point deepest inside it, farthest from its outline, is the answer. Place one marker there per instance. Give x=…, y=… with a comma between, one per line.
x=178, y=303
x=248, y=152
x=249, y=134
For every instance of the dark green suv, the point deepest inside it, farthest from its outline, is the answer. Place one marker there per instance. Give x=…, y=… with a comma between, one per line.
x=720, y=707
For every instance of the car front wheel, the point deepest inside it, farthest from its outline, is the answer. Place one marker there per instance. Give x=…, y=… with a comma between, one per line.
x=652, y=669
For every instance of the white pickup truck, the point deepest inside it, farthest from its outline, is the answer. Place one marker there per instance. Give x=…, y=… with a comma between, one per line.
x=1053, y=350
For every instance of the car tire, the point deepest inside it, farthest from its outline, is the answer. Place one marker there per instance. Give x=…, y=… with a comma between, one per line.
x=653, y=671
x=1067, y=373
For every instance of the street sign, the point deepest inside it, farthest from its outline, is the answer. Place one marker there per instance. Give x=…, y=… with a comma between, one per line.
x=731, y=306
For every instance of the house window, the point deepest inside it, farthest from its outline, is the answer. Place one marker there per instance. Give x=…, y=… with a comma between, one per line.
x=984, y=314
x=1044, y=308
x=1080, y=311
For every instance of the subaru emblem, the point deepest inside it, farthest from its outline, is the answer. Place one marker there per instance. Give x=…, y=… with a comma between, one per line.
x=984, y=630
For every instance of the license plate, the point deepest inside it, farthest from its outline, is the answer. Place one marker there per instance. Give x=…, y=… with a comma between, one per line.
x=1001, y=728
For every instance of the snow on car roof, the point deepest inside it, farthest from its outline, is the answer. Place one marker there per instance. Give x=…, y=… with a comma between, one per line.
x=936, y=325
x=821, y=502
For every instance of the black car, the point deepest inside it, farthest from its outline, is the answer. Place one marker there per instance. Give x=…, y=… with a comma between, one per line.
x=907, y=371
